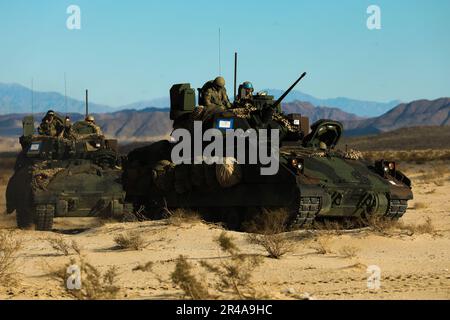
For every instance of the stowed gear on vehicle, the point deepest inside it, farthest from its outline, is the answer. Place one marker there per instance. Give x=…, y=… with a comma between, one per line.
x=314, y=179
x=59, y=177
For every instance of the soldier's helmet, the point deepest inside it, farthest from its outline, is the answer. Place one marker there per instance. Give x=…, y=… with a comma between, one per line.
x=248, y=85
x=90, y=119
x=219, y=82
x=50, y=113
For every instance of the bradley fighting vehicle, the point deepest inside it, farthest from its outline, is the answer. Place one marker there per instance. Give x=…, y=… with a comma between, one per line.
x=314, y=179
x=58, y=177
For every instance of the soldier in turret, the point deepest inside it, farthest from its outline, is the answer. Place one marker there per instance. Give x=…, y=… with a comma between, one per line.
x=245, y=93
x=51, y=125
x=67, y=133
x=214, y=94
x=91, y=122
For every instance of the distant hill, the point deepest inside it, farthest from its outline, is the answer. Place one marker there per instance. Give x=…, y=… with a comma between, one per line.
x=411, y=138
x=15, y=98
x=315, y=113
x=359, y=107
x=125, y=124
x=415, y=113
x=151, y=122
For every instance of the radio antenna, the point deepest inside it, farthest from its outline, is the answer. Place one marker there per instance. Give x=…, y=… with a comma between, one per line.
x=87, y=103
x=65, y=93
x=235, y=74
x=32, y=96
x=220, y=62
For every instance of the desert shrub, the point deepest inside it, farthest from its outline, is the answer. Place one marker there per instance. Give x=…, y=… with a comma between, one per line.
x=131, y=240
x=179, y=217
x=235, y=272
x=268, y=231
x=348, y=251
x=9, y=248
x=392, y=227
x=147, y=267
x=62, y=247
x=321, y=244
x=183, y=276
x=231, y=274
x=95, y=285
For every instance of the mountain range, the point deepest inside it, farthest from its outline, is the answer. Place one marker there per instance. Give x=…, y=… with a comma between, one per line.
x=415, y=113
x=360, y=107
x=154, y=122
x=15, y=98
x=142, y=120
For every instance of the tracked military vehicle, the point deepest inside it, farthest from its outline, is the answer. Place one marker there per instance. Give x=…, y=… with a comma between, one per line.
x=314, y=179
x=58, y=177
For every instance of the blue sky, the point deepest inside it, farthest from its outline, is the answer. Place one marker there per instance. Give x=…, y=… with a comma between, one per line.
x=128, y=51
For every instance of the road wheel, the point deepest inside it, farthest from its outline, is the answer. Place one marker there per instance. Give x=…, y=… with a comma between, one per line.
x=25, y=216
x=44, y=217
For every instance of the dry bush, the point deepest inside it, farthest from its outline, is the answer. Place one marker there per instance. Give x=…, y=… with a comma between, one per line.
x=62, y=247
x=439, y=183
x=179, y=217
x=184, y=277
x=232, y=274
x=381, y=224
x=391, y=227
x=95, y=285
x=267, y=231
x=348, y=251
x=425, y=228
x=131, y=240
x=321, y=245
x=420, y=205
x=147, y=267
x=430, y=191
x=9, y=248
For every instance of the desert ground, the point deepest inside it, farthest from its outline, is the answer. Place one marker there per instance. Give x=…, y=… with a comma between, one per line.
x=413, y=256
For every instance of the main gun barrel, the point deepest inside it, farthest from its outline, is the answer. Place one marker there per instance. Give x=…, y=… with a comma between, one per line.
x=288, y=90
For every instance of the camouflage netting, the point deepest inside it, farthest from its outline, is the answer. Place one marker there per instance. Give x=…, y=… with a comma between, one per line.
x=42, y=177
x=183, y=178
x=229, y=173
x=353, y=155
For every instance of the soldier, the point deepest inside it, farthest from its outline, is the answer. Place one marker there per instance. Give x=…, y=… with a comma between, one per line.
x=91, y=122
x=68, y=131
x=50, y=125
x=245, y=93
x=215, y=95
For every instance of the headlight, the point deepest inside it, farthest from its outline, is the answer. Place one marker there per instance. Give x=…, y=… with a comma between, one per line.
x=391, y=166
x=385, y=167
x=298, y=165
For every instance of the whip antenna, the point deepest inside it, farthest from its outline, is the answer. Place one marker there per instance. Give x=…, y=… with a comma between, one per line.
x=32, y=95
x=220, y=62
x=65, y=93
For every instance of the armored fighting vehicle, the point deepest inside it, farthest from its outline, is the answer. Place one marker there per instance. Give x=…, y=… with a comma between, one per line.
x=314, y=179
x=58, y=177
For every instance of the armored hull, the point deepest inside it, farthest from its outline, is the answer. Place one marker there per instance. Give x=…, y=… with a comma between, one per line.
x=56, y=177
x=314, y=179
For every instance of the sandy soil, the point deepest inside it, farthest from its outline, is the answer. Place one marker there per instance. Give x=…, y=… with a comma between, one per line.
x=413, y=266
